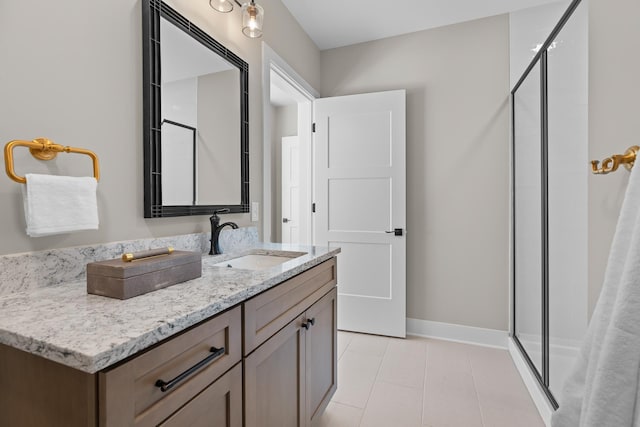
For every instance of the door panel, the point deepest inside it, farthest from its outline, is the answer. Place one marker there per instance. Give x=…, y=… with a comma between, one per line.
x=349, y=213
x=363, y=278
x=290, y=190
x=360, y=195
x=351, y=134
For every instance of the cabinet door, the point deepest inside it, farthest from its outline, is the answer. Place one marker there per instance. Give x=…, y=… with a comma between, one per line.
x=220, y=404
x=321, y=354
x=275, y=380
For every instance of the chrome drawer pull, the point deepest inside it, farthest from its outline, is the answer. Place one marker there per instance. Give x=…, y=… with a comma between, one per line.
x=166, y=386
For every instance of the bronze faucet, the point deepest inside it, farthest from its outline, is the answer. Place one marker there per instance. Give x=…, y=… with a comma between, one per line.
x=216, y=229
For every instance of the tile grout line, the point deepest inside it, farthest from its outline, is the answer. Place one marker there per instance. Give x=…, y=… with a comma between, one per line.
x=424, y=382
x=374, y=382
x=475, y=389
x=346, y=347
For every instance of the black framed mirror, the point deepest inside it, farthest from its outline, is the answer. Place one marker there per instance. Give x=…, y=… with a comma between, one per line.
x=196, y=119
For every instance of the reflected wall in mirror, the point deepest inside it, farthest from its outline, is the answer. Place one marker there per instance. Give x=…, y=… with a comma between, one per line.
x=196, y=146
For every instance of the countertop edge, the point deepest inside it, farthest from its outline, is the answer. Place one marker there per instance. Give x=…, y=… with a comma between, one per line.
x=93, y=363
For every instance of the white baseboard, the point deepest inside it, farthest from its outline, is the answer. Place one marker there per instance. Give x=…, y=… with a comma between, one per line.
x=538, y=396
x=458, y=333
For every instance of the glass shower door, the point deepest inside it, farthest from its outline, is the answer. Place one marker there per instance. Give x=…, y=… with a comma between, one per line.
x=567, y=87
x=527, y=211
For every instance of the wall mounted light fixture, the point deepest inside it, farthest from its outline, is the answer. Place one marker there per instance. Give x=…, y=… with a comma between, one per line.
x=252, y=15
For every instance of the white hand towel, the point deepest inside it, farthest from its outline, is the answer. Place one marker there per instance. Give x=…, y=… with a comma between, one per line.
x=602, y=389
x=59, y=204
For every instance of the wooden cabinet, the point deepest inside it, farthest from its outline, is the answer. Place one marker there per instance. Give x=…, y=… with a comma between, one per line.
x=132, y=394
x=267, y=313
x=321, y=355
x=275, y=377
x=290, y=379
x=220, y=404
x=274, y=356
x=36, y=392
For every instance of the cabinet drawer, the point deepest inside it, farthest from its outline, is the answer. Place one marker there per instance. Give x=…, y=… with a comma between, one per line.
x=267, y=313
x=187, y=364
x=220, y=404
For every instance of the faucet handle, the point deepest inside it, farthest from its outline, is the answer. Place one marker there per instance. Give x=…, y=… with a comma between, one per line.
x=215, y=216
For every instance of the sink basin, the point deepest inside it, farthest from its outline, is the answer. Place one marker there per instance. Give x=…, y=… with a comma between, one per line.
x=255, y=261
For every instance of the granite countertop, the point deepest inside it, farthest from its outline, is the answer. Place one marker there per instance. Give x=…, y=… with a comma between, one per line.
x=88, y=332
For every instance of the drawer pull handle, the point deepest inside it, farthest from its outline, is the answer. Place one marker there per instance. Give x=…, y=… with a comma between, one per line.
x=308, y=323
x=166, y=386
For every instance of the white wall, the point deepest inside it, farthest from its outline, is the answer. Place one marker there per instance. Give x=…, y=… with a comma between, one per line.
x=219, y=161
x=179, y=104
x=75, y=76
x=528, y=30
x=457, y=82
x=568, y=88
x=614, y=67
x=180, y=101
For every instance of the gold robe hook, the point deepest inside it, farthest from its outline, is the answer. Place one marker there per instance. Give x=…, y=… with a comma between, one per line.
x=611, y=164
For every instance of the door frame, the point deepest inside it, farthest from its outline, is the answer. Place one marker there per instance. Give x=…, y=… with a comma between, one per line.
x=272, y=62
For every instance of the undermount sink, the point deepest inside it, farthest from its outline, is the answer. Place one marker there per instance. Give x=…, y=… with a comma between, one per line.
x=257, y=261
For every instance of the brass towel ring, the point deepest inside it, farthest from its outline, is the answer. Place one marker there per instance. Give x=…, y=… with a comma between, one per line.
x=43, y=149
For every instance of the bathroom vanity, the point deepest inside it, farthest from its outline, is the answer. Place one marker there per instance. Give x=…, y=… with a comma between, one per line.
x=234, y=347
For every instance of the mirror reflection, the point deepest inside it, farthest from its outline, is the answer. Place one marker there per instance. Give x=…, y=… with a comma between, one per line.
x=200, y=123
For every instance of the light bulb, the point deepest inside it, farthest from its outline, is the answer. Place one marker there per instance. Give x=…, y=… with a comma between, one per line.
x=252, y=16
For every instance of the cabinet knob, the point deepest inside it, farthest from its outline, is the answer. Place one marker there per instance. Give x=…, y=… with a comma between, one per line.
x=309, y=323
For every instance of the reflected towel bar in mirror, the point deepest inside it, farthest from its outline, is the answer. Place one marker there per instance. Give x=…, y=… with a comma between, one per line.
x=610, y=164
x=43, y=149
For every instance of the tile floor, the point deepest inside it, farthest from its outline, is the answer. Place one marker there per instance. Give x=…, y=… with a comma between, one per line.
x=426, y=383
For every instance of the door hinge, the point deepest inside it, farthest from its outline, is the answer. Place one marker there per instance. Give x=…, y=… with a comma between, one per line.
x=313, y=128
x=313, y=207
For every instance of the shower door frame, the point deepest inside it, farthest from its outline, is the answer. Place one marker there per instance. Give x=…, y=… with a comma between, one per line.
x=540, y=57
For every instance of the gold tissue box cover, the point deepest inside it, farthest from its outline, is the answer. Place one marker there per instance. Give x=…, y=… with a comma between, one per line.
x=118, y=279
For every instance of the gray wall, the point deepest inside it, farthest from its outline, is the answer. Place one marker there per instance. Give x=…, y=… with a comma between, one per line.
x=614, y=91
x=72, y=72
x=457, y=82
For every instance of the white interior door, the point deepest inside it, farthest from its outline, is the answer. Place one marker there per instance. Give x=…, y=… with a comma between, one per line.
x=360, y=198
x=290, y=189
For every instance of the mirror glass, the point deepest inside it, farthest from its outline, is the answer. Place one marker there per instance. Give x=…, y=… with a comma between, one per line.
x=196, y=142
